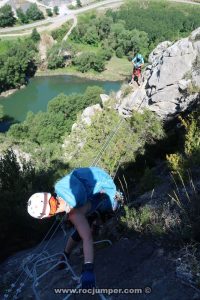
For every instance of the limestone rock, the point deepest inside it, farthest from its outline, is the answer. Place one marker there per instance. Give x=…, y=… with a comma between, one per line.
x=104, y=98
x=171, y=84
x=156, y=53
x=89, y=112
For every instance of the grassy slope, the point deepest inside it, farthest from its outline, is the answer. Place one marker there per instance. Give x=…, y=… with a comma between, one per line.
x=116, y=69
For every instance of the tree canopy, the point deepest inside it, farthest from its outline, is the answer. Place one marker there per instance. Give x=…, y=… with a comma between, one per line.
x=6, y=16
x=18, y=64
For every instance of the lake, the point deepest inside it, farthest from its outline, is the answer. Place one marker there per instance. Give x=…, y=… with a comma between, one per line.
x=41, y=90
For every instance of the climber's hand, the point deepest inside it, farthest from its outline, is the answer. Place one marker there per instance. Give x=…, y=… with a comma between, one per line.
x=87, y=276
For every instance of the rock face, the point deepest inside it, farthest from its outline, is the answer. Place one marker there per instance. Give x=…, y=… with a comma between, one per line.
x=89, y=112
x=171, y=83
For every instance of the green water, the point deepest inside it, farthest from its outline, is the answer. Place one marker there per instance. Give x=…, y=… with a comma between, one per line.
x=41, y=90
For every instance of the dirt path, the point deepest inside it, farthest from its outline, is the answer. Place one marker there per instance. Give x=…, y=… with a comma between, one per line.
x=69, y=32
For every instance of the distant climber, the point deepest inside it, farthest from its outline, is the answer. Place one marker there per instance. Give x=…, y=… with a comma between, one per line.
x=138, y=62
x=82, y=193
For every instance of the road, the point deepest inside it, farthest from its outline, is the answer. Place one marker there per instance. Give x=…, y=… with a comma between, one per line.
x=66, y=14
x=54, y=22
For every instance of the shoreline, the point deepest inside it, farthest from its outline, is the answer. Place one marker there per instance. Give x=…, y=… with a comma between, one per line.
x=91, y=76
x=60, y=72
x=7, y=93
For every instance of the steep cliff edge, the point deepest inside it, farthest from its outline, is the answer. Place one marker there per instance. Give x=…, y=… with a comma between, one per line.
x=171, y=82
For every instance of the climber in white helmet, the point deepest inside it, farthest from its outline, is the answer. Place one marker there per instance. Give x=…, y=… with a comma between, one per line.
x=79, y=194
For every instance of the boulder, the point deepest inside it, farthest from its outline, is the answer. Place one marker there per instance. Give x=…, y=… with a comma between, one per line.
x=104, y=98
x=89, y=112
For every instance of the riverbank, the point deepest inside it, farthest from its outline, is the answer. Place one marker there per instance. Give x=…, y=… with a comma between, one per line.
x=117, y=69
x=10, y=92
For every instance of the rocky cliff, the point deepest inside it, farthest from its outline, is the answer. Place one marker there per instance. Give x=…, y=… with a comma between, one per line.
x=170, y=85
x=171, y=81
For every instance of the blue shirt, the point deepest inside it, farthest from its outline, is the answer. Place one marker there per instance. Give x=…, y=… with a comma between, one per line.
x=138, y=60
x=82, y=184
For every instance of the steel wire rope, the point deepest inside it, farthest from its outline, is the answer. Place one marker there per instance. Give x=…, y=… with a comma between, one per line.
x=95, y=162
x=105, y=146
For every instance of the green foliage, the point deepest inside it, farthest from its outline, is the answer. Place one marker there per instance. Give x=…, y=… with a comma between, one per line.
x=106, y=53
x=22, y=16
x=160, y=20
x=5, y=45
x=78, y=3
x=58, y=34
x=92, y=30
x=189, y=158
x=58, y=55
x=33, y=13
x=35, y=36
x=6, y=16
x=18, y=64
x=87, y=61
x=147, y=126
x=124, y=146
x=188, y=205
x=119, y=52
x=91, y=36
x=49, y=12
x=55, y=57
x=56, y=10
x=158, y=221
x=136, y=219
x=49, y=127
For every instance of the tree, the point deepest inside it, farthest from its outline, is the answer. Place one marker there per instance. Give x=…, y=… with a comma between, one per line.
x=56, y=10
x=17, y=65
x=78, y=3
x=90, y=60
x=35, y=36
x=91, y=36
x=119, y=52
x=33, y=13
x=49, y=12
x=22, y=16
x=6, y=16
x=55, y=57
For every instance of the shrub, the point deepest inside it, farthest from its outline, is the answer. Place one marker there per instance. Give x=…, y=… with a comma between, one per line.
x=49, y=12
x=6, y=16
x=56, y=10
x=190, y=156
x=87, y=61
x=58, y=34
x=137, y=220
x=33, y=13
x=35, y=36
x=119, y=52
x=55, y=58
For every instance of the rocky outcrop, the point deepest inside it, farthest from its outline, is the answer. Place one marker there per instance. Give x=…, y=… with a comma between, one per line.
x=171, y=83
